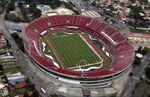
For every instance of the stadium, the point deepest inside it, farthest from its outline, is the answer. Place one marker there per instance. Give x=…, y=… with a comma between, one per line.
x=79, y=51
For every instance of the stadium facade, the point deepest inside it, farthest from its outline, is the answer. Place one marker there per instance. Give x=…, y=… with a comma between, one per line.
x=52, y=80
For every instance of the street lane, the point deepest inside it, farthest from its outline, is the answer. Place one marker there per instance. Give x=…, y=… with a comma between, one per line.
x=134, y=80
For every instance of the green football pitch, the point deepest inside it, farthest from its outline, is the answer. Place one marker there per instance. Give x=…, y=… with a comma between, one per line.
x=73, y=50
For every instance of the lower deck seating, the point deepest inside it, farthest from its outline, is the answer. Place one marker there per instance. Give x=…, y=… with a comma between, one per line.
x=123, y=52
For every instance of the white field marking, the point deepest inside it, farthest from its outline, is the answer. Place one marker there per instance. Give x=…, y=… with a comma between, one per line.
x=80, y=69
x=107, y=54
x=68, y=33
x=43, y=45
x=34, y=43
x=74, y=27
x=60, y=36
x=91, y=37
x=90, y=47
x=87, y=65
x=55, y=64
x=48, y=56
x=68, y=80
x=102, y=48
x=43, y=33
x=108, y=37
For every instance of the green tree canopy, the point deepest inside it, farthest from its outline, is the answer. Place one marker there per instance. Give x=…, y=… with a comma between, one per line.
x=11, y=7
x=135, y=10
x=147, y=73
x=143, y=1
x=32, y=7
x=143, y=50
x=137, y=61
x=1, y=67
x=36, y=13
x=133, y=1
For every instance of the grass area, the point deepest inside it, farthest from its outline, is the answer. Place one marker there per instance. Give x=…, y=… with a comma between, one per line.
x=72, y=50
x=100, y=46
x=146, y=8
x=10, y=70
x=1, y=74
x=139, y=31
x=54, y=96
x=147, y=31
x=49, y=51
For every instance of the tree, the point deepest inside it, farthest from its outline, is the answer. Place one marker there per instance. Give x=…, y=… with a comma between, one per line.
x=35, y=93
x=134, y=13
x=18, y=40
x=42, y=1
x=10, y=7
x=1, y=67
x=25, y=95
x=133, y=1
x=114, y=95
x=143, y=1
x=143, y=51
x=37, y=13
x=55, y=3
x=139, y=49
x=137, y=61
x=32, y=7
x=20, y=5
x=8, y=45
x=24, y=14
x=20, y=44
x=146, y=50
x=130, y=74
x=94, y=3
x=15, y=36
x=147, y=73
x=28, y=1
x=3, y=3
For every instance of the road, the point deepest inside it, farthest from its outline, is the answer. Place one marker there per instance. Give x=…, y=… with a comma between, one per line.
x=18, y=54
x=83, y=5
x=139, y=39
x=135, y=78
x=8, y=36
x=40, y=78
x=15, y=26
x=80, y=4
x=129, y=87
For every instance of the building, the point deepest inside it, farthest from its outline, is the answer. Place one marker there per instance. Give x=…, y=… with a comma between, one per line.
x=95, y=81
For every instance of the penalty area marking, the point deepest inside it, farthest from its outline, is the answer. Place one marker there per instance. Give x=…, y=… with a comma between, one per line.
x=86, y=65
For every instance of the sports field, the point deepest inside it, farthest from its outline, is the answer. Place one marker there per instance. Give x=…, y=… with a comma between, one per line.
x=73, y=50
